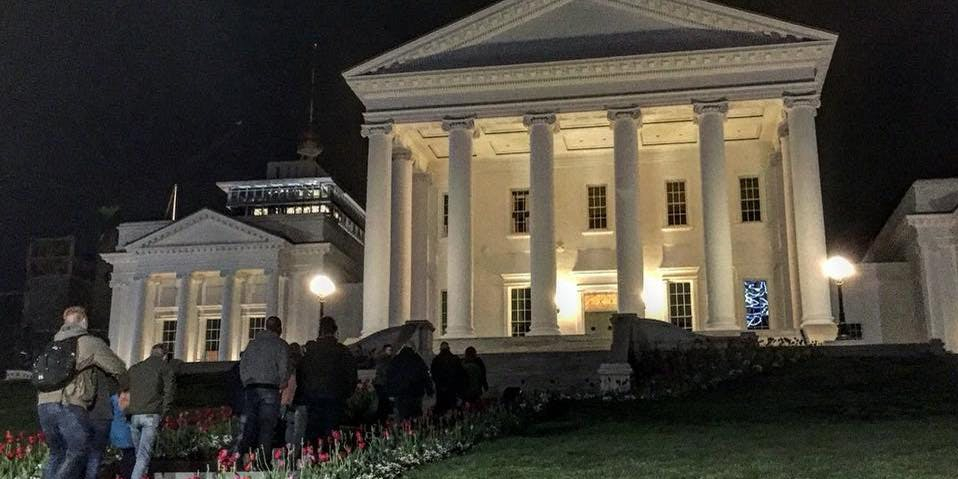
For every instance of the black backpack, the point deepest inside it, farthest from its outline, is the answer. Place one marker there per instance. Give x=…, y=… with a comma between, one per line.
x=55, y=367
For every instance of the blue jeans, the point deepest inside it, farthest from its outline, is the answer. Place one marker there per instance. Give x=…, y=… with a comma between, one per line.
x=261, y=415
x=144, y=428
x=99, y=439
x=67, y=430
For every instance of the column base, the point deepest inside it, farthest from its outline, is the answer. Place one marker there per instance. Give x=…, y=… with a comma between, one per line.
x=819, y=329
x=615, y=378
x=722, y=327
x=544, y=332
x=463, y=334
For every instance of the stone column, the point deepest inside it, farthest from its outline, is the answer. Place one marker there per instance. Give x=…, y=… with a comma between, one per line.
x=184, y=284
x=715, y=215
x=121, y=317
x=228, y=315
x=400, y=256
x=630, y=267
x=377, y=234
x=135, y=351
x=542, y=244
x=817, y=322
x=794, y=291
x=459, y=242
x=271, y=292
x=419, y=307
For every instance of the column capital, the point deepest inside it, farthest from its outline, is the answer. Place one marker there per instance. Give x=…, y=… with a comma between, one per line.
x=401, y=152
x=793, y=102
x=633, y=113
x=465, y=123
x=702, y=108
x=375, y=129
x=539, y=119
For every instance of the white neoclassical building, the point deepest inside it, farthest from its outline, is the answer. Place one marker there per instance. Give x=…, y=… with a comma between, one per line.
x=906, y=289
x=542, y=164
x=203, y=285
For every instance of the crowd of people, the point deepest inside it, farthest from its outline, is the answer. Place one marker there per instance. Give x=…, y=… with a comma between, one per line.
x=87, y=399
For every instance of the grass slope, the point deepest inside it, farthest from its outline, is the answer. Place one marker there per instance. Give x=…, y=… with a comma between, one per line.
x=827, y=418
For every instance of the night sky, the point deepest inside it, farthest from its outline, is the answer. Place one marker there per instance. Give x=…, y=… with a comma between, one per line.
x=111, y=103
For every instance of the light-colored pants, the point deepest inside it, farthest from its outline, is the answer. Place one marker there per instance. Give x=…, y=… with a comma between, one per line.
x=144, y=428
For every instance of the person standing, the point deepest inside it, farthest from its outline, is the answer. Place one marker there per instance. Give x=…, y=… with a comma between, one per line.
x=101, y=419
x=408, y=380
x=384, y=407
x=449, y=376
x=66, y=393
x=292, y=400
x=476, y=382
x=152, y=387
x=122, y=439
x=264, y=370
x=328, y=377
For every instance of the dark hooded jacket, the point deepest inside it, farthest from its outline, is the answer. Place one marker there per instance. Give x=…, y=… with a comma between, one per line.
x=408, y=375
x=447, y=372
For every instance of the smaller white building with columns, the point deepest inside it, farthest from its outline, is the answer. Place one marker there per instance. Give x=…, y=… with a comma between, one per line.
x=203, y=285
x=542, y=164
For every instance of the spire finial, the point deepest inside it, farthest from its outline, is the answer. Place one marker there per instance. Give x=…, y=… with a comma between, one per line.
x=309, y=148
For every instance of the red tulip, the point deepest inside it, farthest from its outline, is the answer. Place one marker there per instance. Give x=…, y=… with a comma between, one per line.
x=324, y=457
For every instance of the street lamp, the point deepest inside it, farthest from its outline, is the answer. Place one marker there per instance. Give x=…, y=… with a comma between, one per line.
x=322, y=287
x=839, y=269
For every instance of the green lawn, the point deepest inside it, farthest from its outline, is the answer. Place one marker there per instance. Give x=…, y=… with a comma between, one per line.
x=851, y=419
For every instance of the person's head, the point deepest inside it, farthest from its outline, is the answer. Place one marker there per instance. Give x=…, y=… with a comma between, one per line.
x=75, y=316
x=327, y=326
x=274, y=324
x=471, y=352
x=443, y=346
x=158, y=350
x=388, y=349
x=295, y=353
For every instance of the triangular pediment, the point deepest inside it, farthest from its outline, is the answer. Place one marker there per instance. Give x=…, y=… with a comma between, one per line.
x=206, y=228
x=541, y=31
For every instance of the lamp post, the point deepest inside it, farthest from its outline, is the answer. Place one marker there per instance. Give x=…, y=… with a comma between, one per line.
x=839, y=269
x=323, y=288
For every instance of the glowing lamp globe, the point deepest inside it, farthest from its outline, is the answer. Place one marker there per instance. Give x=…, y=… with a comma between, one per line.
x=839, y=269
x=322, y=286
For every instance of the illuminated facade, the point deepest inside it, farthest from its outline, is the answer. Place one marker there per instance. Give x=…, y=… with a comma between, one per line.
x=542, y=164
x=203, y=285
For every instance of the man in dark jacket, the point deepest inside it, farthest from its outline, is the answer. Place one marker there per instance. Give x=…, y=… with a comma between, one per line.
x=385, y=406
x=408, y=380
x=327, y=378
x=449, y=376
x=101, y=420
x=476, y=382
x=264, y=370
x=152, y=386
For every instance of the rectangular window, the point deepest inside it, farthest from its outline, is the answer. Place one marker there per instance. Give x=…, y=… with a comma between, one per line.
x=680, y=304
x=520, y=211
x=445, y=215
x=168, y=335
x=676, y=206
x=598, y=214
x=256, y=325
x=520, y=311
x=756, y=304
x=443, y=311
x=750, y=200
x=212, y=339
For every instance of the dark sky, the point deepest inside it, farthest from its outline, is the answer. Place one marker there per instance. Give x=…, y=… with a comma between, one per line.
x=111, y=103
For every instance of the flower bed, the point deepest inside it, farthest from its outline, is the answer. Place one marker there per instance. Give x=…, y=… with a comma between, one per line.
x=380, y=451
x=22, y=455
